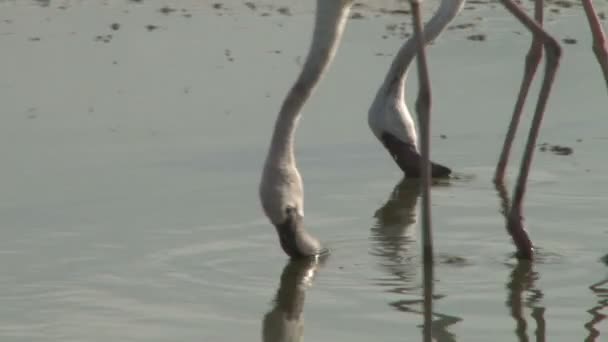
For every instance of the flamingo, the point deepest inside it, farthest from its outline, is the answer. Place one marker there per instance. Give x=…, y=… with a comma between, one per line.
x=540, y=39
x=281, y=188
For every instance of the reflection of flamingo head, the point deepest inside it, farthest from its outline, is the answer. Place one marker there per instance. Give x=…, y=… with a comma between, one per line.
x=400, y=207
x=285, y=321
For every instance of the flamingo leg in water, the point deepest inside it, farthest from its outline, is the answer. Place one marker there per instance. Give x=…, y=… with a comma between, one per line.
x=423, y=109
x=600, y=46
x=553, y=54
x=532, y=60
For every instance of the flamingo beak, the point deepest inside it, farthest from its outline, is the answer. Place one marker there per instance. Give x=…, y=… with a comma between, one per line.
x=294, y=239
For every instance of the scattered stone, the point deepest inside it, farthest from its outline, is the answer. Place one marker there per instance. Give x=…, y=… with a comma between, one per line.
x=218, y=6
x=228, y=55
x=563, y=3
x=562, y=150
x=151, y=27
x=32, y=113
x=34, y=39
x=357, y=15
x=397, y=12
x=251, y=5
x=115, y=26
x=284, y=10
x=166, y=10
x=569, y=41
x=477, y=37
x=461, y=26
x=556, y=149
x=104, y=38
x=443, y=136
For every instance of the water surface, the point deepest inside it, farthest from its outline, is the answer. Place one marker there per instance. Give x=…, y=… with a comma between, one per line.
x=130, y=165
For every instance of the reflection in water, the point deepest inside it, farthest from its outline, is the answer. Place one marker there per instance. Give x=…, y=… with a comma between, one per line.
x=522, y=280
x=284, y=323
x=600, y=289
x=393, y=242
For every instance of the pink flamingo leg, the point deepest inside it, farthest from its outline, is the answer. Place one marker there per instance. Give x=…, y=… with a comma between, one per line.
x=423, y=109
x=553, y=53
x=532, y=60
x=600, y=47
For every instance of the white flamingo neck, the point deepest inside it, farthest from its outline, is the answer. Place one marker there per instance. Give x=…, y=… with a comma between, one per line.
x=330, y=20
x=388, y=112
x=397, y=74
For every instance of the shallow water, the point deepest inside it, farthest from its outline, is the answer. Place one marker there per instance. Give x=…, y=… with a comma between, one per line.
x=129, y=206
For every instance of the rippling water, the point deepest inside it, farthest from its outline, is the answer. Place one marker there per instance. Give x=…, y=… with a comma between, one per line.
x=131, y=156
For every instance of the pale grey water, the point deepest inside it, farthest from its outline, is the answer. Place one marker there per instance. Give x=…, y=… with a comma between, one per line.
x=129, y=209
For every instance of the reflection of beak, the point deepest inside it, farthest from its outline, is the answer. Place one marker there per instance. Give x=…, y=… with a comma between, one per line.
x=403, y=198
x=284, y=322
x=295, y=240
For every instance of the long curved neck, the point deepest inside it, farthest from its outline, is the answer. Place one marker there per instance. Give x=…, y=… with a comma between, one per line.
x=329, y=25
x=397, y=74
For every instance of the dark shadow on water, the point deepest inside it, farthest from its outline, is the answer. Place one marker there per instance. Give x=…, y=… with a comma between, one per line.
x=284, y=323
x=600, y=290
x=393, y=243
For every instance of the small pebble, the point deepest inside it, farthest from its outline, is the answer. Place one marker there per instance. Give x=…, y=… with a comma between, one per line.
x=284, y=10
x=477, y=37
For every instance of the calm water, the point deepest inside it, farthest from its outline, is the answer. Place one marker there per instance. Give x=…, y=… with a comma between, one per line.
x=129, y=173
